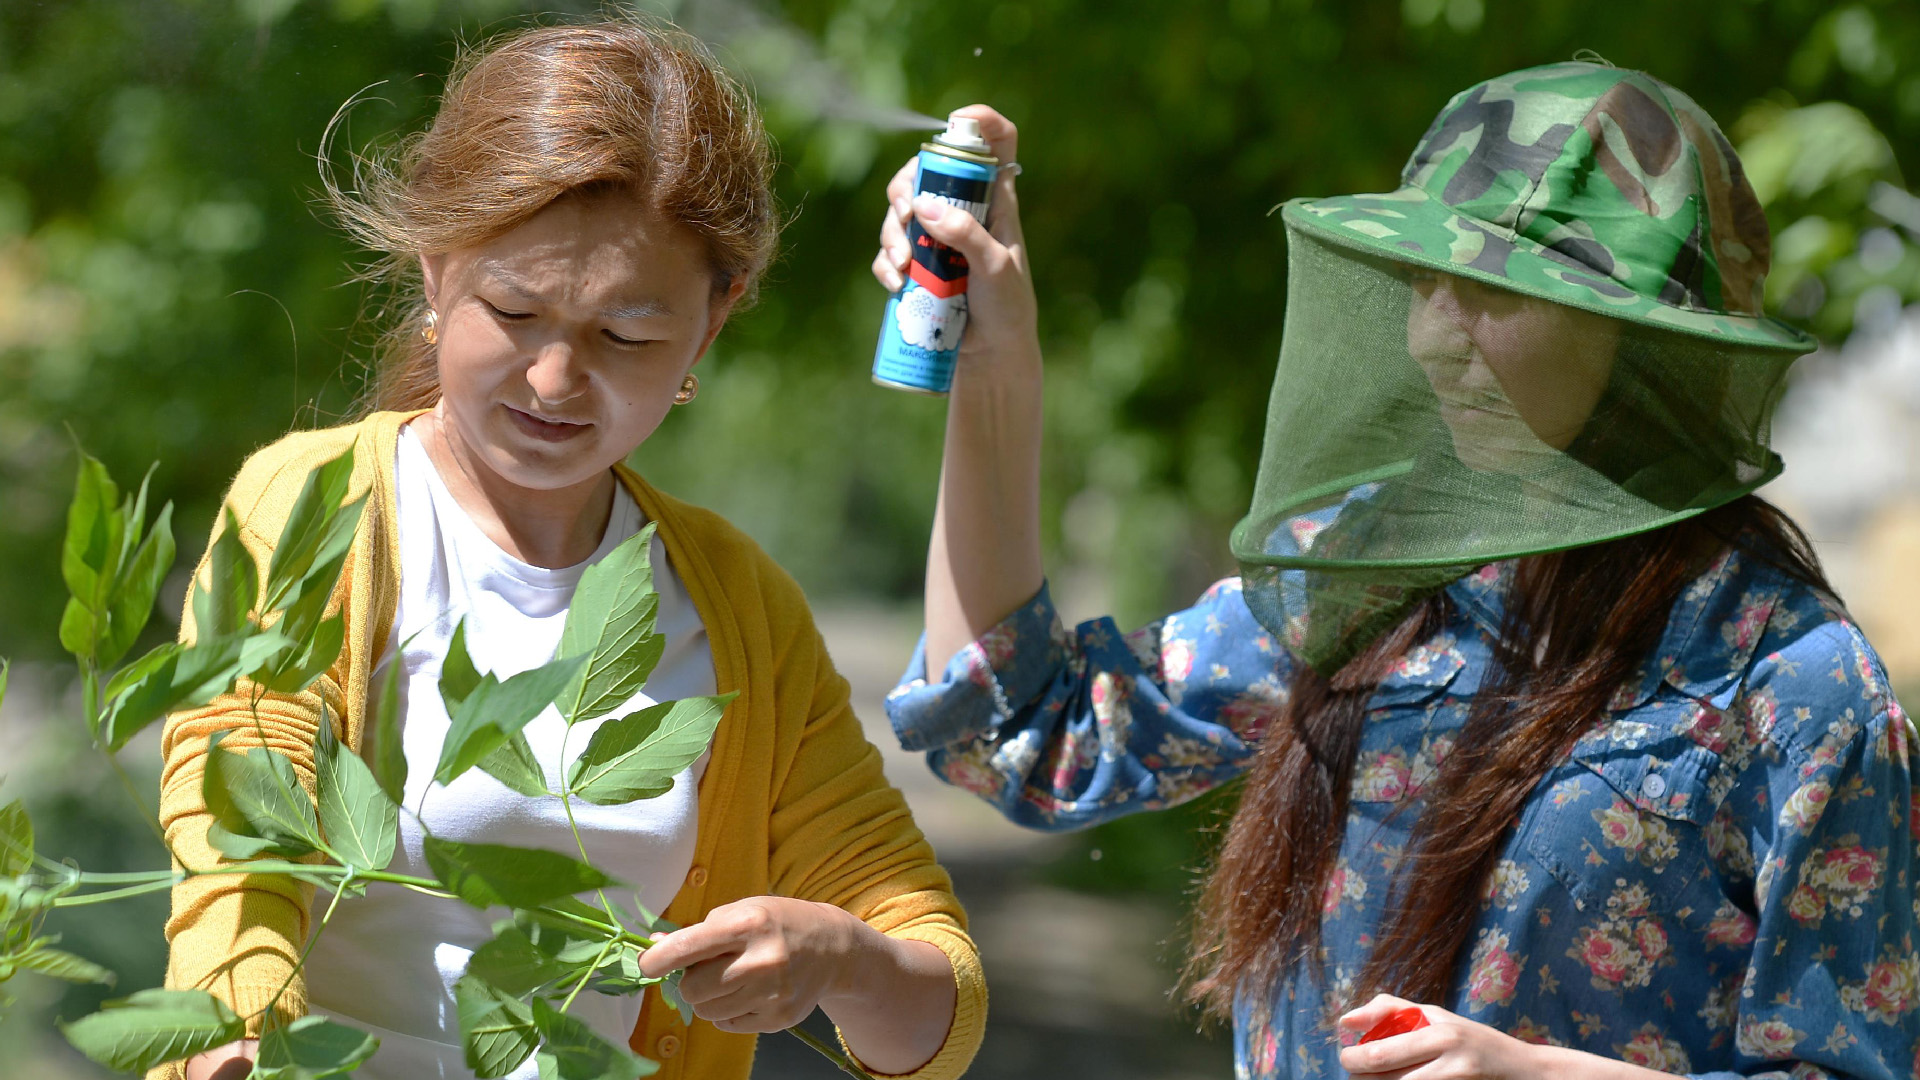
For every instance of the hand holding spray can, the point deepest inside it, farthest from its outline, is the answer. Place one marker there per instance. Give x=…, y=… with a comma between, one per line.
x=920, y=334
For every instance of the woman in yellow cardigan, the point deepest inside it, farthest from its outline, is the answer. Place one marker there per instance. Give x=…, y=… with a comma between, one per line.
x=589, y=205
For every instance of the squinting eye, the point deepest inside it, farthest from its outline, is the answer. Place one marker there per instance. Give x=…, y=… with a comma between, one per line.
x=626, y=342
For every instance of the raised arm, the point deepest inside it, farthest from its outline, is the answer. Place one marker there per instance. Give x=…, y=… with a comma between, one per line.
x=984, y=557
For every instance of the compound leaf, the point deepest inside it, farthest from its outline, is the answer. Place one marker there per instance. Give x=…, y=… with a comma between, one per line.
x=637, y=756
x=513, y=764
x=486, y=875
x=257, y=800
x=495, y=1027
x=386, y=754
x=488, y=716
x=357, y=818
x=570, y=1050
x=152, y=1027
x=314, y=1048
x=222, y=602
x=611, y=624
x=64, y=965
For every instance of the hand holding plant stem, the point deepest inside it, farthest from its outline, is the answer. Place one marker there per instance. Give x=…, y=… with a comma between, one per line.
x=278, y=636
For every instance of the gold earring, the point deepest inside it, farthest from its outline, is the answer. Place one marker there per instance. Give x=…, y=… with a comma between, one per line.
x=430, y=333
x=689, y=386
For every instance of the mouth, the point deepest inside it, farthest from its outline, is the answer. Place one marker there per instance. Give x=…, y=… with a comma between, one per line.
x=543, y=428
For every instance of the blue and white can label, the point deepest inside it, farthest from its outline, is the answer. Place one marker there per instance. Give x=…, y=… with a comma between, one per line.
x=920, y=333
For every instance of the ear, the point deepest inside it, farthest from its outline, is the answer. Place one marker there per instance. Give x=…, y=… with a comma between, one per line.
x=432, y=271
x=718, y=310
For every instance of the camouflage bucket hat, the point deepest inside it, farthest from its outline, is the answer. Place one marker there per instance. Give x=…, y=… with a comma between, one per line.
x=1584, y=185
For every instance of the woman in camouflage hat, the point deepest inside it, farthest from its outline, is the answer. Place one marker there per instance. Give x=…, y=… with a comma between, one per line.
x=1550, y=727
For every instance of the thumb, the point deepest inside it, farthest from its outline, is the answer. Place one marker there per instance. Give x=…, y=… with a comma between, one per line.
x=953, y=227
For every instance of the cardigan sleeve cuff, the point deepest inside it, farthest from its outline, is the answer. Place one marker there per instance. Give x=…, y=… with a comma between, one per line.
x=969, y=1026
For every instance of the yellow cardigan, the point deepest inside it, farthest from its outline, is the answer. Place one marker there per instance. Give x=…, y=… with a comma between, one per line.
x=793, y=802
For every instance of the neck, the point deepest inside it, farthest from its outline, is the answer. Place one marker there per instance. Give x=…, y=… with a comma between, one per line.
x=549, y=528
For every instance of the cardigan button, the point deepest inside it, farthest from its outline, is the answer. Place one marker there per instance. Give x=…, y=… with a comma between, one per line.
x=668, y=1046
x=697, y=876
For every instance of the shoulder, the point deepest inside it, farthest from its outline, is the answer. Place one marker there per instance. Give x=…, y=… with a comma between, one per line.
x=1814, y=681
x=722, y=559
x=264, y=490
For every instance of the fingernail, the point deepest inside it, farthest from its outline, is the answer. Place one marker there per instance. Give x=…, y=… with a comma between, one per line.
x=902, y=208
x=929, y=208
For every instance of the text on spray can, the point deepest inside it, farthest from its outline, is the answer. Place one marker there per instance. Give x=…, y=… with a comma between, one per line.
x=920, y=333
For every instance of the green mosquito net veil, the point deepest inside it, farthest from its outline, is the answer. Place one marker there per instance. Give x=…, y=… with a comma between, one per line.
x=1425, y=422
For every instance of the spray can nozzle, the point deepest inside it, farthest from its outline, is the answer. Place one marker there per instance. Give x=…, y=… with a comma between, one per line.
x=963, y=133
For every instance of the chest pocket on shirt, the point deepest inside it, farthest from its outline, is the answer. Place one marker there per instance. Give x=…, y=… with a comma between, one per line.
x=1619, y=823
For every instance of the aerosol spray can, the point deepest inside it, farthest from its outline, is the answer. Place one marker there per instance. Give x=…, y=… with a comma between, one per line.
x=920, y=334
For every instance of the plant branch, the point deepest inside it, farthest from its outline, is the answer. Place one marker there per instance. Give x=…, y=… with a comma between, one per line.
x=831, y=1053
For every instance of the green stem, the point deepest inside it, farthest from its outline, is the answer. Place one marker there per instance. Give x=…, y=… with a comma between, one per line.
x=587, y=974
x=86, y=878
x=114, y=894
x=831, y=1053
x=312, y=940
x=566, y=803
x=90, y=695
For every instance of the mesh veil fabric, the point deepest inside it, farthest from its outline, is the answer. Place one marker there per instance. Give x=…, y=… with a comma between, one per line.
x=1424, y=423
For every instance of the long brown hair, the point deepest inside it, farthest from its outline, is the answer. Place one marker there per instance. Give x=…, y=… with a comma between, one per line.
x=629, y=103
x=1578, y=625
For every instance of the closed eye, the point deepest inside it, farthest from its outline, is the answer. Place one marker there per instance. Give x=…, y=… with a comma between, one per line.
x=502, y=313
x=627, y=342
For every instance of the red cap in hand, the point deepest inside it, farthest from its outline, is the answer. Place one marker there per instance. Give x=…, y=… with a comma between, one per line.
x=1401, y=1022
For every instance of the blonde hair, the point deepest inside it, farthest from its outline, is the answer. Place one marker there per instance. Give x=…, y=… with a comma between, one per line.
x=633, y=104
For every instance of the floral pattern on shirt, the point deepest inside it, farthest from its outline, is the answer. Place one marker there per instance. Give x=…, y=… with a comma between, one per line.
x=1719, y=881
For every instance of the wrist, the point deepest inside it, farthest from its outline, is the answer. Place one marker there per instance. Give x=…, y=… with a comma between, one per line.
x=865, y=966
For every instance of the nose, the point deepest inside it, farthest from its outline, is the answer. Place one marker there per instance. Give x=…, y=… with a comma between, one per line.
x=555, y=376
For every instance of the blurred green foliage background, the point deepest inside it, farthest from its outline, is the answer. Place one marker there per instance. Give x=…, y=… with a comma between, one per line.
x=170, y=290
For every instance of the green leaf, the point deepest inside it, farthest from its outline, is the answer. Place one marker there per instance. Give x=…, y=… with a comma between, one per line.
x=208, y=668
x=134, y=589
x=256, y=799
x=610, y=623
x=317, y=528
x=496, y=710
x=486, y=875
x=16, y=839
x=294, y=667
x=670, y=993
x=359, y=821
x=64, y=965
x=314, y=1048
x=570, y=1050
x=79, y=629
x=94, y=525
x=173, y=676
x=513, y=764
x=495, y=1027
x=232, y=588
x=637, y=756
x=458, y=677
x=513, y=963
x=386, y=753
x=153, y=1027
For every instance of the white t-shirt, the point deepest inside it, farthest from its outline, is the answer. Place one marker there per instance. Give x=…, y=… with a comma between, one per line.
x=388, y=961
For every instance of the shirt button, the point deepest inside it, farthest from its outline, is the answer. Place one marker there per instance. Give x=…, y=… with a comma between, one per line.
x=1653, y=786
x=697, y=876
x=668, y=1046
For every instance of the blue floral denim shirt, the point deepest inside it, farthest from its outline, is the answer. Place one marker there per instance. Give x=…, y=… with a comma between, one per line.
x=1720, y=881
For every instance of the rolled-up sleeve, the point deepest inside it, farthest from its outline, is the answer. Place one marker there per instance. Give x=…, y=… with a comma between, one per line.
x=1063, y=729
